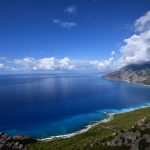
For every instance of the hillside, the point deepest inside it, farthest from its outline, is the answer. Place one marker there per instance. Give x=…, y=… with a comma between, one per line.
x=135, y=73
x=125, y=131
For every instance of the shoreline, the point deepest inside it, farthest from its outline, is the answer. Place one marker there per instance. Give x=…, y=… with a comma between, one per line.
x=86, y=128
x=141, y=84
x=110, y=116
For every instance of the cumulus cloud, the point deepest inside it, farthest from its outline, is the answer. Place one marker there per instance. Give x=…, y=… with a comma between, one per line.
x=65, y=24
x=71, y=9
x=143, y=22
x=50, y=63
x=2, y=66
x=56, y=64
x=106, y=63
x=137, y=47
x=66, y=64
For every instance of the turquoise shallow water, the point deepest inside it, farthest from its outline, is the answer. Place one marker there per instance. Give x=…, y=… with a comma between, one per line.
x=48, y=105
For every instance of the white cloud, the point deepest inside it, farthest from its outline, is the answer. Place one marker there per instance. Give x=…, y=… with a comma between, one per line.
x=113, y=53
x=68, y=25
x=137, y=47
x=50, y=63
x=27, y=63
x=65, y=24
x=55, y=64
x=2, y=66
x=106, y=64
x=66, y=64
x=71, y=9
x=143, y=22
x=46, y=64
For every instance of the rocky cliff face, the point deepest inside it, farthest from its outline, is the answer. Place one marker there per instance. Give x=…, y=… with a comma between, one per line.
x=18, y=142
x=135, y=73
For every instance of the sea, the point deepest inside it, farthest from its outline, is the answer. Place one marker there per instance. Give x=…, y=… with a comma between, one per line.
x=45, y=105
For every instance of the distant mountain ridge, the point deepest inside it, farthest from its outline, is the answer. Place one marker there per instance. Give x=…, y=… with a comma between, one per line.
x=135, y=73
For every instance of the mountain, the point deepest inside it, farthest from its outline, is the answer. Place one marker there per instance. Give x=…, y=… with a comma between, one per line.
x=135, y=73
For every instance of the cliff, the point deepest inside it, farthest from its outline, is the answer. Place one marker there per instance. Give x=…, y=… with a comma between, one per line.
x=135, y=73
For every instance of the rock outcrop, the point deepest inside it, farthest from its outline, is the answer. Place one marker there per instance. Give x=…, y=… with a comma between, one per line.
x=136, y=139
x=17, y=142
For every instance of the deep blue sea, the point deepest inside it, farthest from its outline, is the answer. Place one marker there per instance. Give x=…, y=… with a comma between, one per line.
x=54, y=104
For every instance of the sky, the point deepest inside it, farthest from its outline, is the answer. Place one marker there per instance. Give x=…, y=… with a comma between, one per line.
x=73, y=35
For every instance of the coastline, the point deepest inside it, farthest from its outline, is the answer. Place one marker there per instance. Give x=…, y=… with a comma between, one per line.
x=110, y=116
x=141, y=84
x=107, y=119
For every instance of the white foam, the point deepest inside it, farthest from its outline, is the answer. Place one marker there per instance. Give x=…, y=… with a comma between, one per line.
x=109, y=117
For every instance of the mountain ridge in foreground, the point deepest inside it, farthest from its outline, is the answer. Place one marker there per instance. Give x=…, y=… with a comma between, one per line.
x=134, y=73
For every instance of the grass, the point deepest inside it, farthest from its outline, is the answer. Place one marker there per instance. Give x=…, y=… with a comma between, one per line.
x=92, y=138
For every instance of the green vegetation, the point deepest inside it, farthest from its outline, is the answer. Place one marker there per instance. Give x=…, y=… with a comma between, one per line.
x=93, y=138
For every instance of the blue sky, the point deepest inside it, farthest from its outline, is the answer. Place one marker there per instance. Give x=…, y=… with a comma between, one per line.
x=83, y=30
